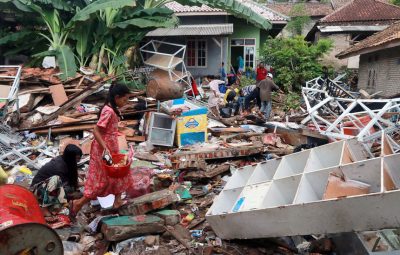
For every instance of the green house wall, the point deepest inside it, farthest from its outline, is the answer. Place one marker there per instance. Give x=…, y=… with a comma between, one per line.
x=244, y=29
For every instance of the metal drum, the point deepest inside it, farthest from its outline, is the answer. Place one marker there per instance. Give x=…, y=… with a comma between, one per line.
x=23, y=229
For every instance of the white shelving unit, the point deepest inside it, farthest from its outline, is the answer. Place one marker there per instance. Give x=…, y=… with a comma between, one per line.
x=284, y=197
x=168, y=57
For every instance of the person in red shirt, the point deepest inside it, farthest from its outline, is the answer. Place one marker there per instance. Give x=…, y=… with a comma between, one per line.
x=261, y=72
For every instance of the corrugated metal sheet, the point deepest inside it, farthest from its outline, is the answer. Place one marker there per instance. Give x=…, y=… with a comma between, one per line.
x=262, y=10
x=198, y=30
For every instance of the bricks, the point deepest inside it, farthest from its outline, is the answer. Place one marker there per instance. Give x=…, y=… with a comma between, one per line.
x=170, y=217
x=180, y=157
x=149, y=202
x=125, y=227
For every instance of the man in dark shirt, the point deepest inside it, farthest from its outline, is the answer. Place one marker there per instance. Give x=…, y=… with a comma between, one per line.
x=266, y=86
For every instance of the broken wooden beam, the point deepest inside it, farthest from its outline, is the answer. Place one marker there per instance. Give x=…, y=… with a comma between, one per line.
x=138, y=139
x=74, y=100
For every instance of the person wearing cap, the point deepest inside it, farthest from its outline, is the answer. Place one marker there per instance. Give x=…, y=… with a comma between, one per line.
x=266, y=86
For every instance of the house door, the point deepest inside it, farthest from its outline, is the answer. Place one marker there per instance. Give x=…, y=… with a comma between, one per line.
x=245, y=48
x=235, y=53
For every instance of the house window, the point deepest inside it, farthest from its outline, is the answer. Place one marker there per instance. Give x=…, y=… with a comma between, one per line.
x=196, y=53
x=249, y=56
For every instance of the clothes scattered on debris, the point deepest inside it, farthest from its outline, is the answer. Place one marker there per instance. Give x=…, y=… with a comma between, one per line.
x=199, y=180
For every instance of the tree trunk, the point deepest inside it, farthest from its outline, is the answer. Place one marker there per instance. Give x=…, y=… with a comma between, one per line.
x=162, y=88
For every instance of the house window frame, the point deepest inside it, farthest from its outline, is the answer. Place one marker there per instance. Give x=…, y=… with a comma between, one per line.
x=244, y=45
x=197, y=40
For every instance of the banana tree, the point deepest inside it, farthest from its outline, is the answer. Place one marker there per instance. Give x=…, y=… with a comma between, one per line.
x=101, y=30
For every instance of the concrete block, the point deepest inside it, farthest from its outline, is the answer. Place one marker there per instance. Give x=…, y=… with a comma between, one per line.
x=170, y=217
x=149, y=202
x=124, y=227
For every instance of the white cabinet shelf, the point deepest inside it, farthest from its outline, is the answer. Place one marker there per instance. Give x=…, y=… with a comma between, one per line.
x=284, y=197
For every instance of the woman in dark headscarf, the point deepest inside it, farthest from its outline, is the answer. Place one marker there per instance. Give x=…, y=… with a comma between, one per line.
x=57, y=178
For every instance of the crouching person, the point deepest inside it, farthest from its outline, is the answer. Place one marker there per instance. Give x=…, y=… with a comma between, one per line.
x=231, y=99
x=57, y=180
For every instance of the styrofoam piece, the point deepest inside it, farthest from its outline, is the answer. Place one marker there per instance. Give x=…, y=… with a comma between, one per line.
x=225, y=201
x=247, y=201
x=240, y=177
x=325, y=156
x=282, y=192
x=292, y=164
x=264, y=171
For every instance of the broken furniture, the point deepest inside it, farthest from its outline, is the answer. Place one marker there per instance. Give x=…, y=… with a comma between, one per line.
x=9, y=86
x=162, y=129
x=344, y=118
x=284, y=197
x=13, y=150
x=191, y=121
x=168, y=58
x=385, y=241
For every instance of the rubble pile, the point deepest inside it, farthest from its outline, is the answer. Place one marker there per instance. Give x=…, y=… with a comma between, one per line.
x=191, y=169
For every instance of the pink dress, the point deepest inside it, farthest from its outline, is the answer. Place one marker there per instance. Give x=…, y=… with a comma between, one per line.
x=98, y=183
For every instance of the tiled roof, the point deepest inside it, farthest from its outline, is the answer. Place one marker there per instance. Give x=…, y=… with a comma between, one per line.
x=311, y=9
x=336, y=4
x=263, y=11
x=380, y=39
x=363, y=10
x=186, y=30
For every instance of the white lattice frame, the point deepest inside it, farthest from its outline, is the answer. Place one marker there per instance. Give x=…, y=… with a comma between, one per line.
x=333, y=127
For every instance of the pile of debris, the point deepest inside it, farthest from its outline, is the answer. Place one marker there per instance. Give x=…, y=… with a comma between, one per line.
x=184, y=200
x=174, y=186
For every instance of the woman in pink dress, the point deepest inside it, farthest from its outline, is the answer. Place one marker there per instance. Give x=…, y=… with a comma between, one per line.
x=98, y=183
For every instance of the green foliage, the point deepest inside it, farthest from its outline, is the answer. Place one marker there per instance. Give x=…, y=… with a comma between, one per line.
x=245, y=81
x=66, y=60
x=299, y=19
x=292, y=101
x=294, y=60
x=98, y=30
x=396, y=2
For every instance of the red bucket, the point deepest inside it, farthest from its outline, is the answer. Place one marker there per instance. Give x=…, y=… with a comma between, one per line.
x=117, y=171
x=22, y=222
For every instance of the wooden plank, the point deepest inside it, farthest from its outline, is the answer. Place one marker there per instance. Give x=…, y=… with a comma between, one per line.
x=65, y=129
x=138, y=139
x=74, y=100
x=58, y=94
